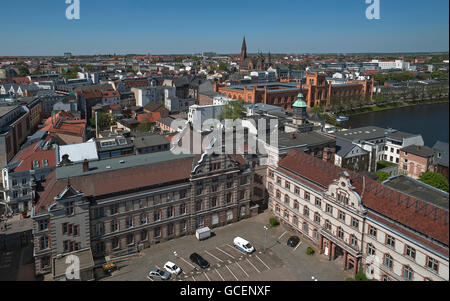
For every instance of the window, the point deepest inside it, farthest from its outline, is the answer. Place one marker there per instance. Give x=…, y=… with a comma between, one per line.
x=128, y=206
x=115, y=243
x=297, y=190
x=182, y=209
x=277, y=209
x=213, y=201
x=342, y=216
x=306, y=211
x=287, y=185
x=170, y=229
x=296, y=205
x=144, y=235
x=286, y=214
x=307, y=196
x=157, y=232
x=305, y=228
x=43, y=242
x=329, y=209
x=353, y=240
x=271, y=174
x=114, y=225
x=14, y=182
x=317, y=218
x=295, y=221
x=340, y=233
x=388, y=261
x=129, y=222
x=199, y=223
x=407, y=273
x=229, y=197
x=328, y=225
x=114, y=209
x=279, y=181
x=76, y=230
x=198, y=205
x=355, y=223
x=169, y=212
x=386, y=278
x=43, y=225
x=69, y=208
x=130, y=239
x=372, y=231
x=183, y=226
x=318, y=202
x=143, y=219
x=370, y=249
x=99, y=212
x=286, y=200
x=390, y=241
x=182, y=194
x=432, y=264
x=410, y=252
x=99, y=229
x=278, y=195
x=35, y=164
x=157, y=215
x=229, y=215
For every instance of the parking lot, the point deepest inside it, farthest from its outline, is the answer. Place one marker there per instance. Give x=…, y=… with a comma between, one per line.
x=278, y=262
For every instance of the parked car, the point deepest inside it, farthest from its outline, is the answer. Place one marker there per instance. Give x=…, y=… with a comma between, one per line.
x=243, y=245
x=159, y=274
x=293, y=241
x=198, y=260
x=172, y=268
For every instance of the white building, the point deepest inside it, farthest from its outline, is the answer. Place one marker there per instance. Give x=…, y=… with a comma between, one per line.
x=198, y=115
x=397, y=64
x=157, y=95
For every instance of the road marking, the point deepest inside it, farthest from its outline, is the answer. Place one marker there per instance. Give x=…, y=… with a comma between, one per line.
x=219, y=274
x=150, y=278
x=232, y=273
x=297, y=246
x=224, y=252
x=193, y=278
x=213, y=256
x=282, y=235
x=236, y=249
x=242, y=269
x=263, y=262
x=253, y=266
x=207, y=277
x=187, y=262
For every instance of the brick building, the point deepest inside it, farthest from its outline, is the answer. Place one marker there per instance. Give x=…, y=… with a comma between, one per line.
x=363, y=223
x=415, y=160
x=116, y=204
x=317, y=91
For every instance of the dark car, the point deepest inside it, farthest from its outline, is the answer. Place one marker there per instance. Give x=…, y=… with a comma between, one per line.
x=198, y=260
x=293, y=241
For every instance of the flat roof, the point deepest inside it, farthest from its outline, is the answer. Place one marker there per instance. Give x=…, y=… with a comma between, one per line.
x=117, y=164
x=419, y=190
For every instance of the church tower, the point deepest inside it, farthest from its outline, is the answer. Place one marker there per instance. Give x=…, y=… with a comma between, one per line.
x=243, y=51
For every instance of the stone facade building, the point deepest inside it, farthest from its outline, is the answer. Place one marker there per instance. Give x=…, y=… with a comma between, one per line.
x=134, y=202
x=363, y=223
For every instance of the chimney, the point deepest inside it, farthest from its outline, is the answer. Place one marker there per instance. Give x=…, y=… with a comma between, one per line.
x=85, y=165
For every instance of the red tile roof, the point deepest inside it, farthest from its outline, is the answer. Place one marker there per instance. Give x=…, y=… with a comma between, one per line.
x=415, y=214
x=34, y=153
x=149, y=117
x=110, y=94
x=64, y=123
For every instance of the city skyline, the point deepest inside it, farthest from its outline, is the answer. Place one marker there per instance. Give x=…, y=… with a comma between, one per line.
x=107, y=27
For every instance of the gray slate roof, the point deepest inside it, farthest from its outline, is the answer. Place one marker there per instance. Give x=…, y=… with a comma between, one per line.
x=442, y=149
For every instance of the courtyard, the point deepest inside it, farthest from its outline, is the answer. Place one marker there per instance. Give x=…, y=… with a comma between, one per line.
x=272, y=261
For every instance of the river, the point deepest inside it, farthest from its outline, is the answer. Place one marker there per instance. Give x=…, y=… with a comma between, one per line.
x=431, y=121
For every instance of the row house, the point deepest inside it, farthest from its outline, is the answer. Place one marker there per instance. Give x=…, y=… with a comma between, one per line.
x=133, y=202
x=369, y=226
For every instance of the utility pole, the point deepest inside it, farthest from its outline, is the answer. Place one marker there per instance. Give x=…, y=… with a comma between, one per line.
x=265, y=238
x=96, y=125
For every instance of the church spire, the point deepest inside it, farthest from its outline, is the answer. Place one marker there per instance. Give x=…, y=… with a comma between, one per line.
x=243, y=51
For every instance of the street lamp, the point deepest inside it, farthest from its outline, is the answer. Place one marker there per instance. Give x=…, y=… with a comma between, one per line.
x=265, y=238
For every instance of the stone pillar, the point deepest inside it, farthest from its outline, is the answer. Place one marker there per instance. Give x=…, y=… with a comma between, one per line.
x=320, y=244
x=355, y=268
x=330, y=246
x=333, y=251
x=345, y=260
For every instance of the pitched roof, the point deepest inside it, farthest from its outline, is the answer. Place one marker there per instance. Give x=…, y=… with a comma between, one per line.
x=442, y=148
x=412, y=213
x=34, y=152
x=421, y=151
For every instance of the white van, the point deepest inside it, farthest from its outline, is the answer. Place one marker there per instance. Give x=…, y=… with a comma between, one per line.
x=243, y=245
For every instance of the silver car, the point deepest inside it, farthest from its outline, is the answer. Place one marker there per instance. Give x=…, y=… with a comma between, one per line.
x=159, y=274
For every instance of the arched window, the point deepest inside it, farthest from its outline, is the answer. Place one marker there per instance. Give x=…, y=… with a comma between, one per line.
x=408, y=273
x=388, y=261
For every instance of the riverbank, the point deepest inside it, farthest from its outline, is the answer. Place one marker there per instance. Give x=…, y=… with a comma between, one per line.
x=397, y=105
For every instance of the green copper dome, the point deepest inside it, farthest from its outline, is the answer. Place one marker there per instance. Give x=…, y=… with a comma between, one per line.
x=300, y=103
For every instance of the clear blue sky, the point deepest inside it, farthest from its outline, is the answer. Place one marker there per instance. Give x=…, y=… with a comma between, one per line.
x=30, y=27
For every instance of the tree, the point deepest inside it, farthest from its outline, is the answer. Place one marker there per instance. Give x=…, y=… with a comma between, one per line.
x=435, y=179
x=223, y=66
x=145, y=127
x=233, y=110
x=382, y=176
x=104, y=121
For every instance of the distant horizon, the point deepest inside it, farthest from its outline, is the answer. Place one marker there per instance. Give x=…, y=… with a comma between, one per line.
x=41, y=28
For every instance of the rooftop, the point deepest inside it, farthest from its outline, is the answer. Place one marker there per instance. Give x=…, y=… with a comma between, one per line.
x=419, y=190
x=421, y=151
x=150, y=140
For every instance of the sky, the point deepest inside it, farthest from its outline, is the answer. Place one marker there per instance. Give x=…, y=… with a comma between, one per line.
x=30, y=27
